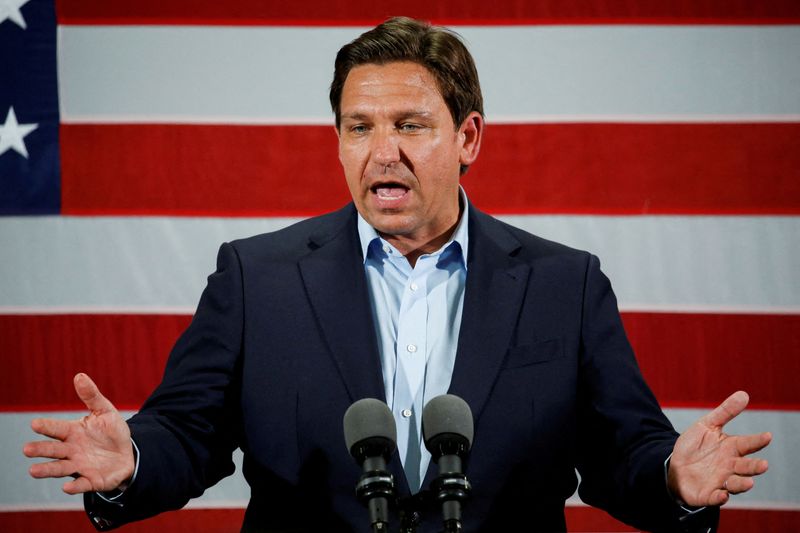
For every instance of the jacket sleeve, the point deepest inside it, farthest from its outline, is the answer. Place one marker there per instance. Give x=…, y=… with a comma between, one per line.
x=624, y=437
x=188, y=428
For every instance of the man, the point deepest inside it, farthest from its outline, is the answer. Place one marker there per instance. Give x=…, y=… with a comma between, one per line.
x=407, y=293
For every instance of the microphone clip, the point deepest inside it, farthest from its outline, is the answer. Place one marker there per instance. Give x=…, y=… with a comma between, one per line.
x=451, y=486
x=375, y=484
x=451, y=489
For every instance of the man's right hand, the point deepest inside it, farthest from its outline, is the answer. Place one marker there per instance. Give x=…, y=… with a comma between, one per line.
x=95, y=449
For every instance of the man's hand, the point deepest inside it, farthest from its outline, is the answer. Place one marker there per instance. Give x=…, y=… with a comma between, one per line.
x=707, y=466
x=96, y=449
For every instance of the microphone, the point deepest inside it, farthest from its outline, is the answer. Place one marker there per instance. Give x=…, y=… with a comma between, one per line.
x=370, y=434
x=448, y=430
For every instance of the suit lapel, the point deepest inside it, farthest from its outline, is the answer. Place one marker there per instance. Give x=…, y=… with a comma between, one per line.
x=496, y=285
x=333, y=275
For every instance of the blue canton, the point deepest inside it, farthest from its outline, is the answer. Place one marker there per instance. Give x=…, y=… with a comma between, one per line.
x=30, y=180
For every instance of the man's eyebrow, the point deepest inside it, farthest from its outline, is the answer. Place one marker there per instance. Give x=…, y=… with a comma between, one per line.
x=414, y=114
x=354, y=116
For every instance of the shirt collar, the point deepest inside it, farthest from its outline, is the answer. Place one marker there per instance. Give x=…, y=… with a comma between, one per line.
x=367, y=233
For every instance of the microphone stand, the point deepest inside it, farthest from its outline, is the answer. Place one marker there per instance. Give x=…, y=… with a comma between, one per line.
x=451, y=488
x=375, y=489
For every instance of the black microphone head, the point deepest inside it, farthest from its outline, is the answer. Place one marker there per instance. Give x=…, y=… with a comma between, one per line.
x=447, y=426
x=369, y=429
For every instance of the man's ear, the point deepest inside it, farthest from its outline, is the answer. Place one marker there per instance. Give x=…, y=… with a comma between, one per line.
x=470, y=134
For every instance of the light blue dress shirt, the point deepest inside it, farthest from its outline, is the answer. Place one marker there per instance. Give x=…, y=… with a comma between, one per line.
x=417, y=317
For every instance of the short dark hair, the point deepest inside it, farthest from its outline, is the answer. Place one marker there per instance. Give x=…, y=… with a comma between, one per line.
x=436, y=48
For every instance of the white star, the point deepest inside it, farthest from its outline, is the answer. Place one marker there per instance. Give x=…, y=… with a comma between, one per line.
x=9, y=9
x=12, y=133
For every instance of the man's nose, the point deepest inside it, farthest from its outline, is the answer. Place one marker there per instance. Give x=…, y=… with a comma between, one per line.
x=385, y=148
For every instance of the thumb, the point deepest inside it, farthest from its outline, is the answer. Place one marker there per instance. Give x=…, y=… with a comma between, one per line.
x=90, y=395
x=727, y=410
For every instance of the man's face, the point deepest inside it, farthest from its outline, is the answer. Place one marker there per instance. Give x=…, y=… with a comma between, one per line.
x=401, y=152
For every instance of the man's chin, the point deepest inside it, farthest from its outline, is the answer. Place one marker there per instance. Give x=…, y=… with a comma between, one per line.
x=390, y=223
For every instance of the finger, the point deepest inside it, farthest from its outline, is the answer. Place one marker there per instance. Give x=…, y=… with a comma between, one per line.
x=58, y=468
x=718, y=497
x=51, y=427
x=739, y=484
x=727, y=410
x=750, y=466
x=48, y=448
x=90, y=394
x=747, y=444
x=77, y=486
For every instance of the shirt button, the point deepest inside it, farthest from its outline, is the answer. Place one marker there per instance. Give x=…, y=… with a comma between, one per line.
x=387, y=249
x=414, y=286
x=406, y=413
x=411, y=348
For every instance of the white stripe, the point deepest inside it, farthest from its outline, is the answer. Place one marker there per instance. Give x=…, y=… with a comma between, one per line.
x=274, y=75
x=159, y=264
x=711, y=309
x=95, y=310
x=742, y=264
x=777, y=489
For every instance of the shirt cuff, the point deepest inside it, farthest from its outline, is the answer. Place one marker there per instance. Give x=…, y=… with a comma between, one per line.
x=687, y=509
x=112, y=496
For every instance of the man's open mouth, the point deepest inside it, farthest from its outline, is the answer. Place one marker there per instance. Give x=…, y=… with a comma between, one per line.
x=389, y=191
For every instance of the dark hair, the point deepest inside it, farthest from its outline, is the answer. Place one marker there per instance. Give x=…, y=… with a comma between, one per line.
x=438, y=49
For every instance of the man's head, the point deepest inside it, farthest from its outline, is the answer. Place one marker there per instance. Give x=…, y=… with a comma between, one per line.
x=407, y=131
x=438, y=49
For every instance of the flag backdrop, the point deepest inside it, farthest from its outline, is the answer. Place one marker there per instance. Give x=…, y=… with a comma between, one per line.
x=136, y=137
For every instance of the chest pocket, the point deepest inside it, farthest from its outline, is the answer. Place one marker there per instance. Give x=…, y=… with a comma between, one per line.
x=531, y=354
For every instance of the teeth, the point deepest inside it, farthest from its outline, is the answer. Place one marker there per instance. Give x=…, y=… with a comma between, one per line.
x=390, y=193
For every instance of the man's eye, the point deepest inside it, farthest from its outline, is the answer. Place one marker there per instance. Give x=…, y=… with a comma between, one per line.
x=409, y=127
x=358, y=129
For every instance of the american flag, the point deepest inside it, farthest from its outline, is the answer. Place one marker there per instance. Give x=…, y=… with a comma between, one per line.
x=136, y=137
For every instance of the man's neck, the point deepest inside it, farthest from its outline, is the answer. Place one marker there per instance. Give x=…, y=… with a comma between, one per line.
x=413, y=248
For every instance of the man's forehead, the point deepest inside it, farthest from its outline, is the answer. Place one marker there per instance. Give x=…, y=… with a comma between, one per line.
x=404, y=86
x=398, y=75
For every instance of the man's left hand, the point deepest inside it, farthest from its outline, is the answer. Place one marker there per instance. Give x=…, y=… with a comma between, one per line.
x=707, y=465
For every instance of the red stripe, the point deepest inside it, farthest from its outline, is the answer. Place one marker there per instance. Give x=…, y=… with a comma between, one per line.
x=749, y=168
x=699, y=359
x=124, y=354
x=689, y=359
x=579, y=519
x=448, y=21
x=368, y=12
x=588, y=519
x=185, y=521
x=219, y=170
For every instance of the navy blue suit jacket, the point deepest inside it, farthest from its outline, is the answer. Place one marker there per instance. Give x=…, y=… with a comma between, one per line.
x=283, y=342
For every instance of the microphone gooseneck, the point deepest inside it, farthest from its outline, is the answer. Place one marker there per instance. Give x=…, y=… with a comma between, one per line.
x=448, y=430
x=371, y=435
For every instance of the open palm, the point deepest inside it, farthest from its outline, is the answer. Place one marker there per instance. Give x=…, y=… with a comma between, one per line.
x=95, y=449
x=708, y=465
